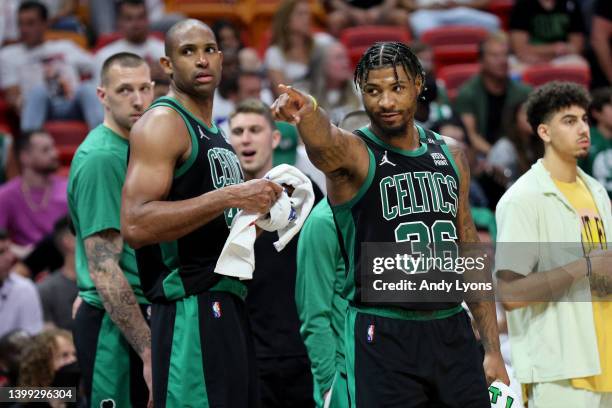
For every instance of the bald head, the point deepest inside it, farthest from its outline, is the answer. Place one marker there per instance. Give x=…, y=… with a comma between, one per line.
x=179, y=29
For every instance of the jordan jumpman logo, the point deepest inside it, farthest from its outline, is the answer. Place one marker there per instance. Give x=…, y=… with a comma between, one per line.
x=385, y=160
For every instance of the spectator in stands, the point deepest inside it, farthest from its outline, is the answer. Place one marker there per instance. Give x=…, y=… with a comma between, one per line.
x=228, y=40
x=332, y=83
x=7, y=162
x=519, y=148
x=40, y=78
x=19, y=300
x=294, y=49
x=544, y=31
x=349, y=13
x=486, y=99
x=599, y=161
x=454, y=128
x=103, y=16
x=49, y=360
x=11, y=348
x=428, y=14
x=62, y=15
x=133, y=23
x=32, y=203
x=601, y=42
x=8, y=21
x=58, y=291
x=429, y=109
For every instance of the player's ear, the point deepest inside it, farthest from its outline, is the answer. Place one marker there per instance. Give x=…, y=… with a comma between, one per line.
x=419, y=83
x=101, y=93
x=166, y=65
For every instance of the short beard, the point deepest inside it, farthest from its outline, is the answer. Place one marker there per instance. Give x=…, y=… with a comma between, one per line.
x=582, y=155
x=389, y=132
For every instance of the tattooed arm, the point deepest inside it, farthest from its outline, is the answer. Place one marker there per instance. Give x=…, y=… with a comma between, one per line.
x=483, y=311
x=103, y=252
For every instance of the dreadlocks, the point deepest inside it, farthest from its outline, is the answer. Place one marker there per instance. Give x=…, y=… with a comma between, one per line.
x=388, y=54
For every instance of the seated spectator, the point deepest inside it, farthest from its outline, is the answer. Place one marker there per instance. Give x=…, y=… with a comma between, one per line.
x=19, y=300
x=429, y=109
x=133, y=24
x=6, y=157
x=294, y=48
x=58, y=291
x=599, y=161
x=236, y=88
x=601, y=43
x=349, y=13
x=103, y=16
x=40, y=78
x=332, y=83
x=228, y=40
x=49, y=360
x=11, y=349
x=32, y=203
x=454, y=128
x=547, y=31
x=428, y=14
x=515, y=152
x=8, y=22
x=487, y=98
x=62, y=15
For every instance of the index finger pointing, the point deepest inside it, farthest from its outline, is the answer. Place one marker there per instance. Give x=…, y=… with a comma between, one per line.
x=291, y=91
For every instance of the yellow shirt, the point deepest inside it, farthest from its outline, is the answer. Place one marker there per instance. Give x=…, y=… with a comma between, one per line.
x=593, y=237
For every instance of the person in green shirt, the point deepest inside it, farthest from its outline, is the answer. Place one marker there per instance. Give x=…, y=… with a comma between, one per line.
x=321, y=308
x=599, y=161
x=111, y=332
x=485, y=101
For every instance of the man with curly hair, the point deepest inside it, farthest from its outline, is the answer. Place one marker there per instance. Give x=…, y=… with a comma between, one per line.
x=559, y=331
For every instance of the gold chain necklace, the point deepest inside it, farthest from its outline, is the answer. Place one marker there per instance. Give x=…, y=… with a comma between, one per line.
x=27, y=196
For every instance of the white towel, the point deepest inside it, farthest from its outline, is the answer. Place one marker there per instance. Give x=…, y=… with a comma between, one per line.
x=286, y=217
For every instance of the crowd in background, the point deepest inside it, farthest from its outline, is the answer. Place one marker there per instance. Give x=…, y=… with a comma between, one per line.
x=44, y=79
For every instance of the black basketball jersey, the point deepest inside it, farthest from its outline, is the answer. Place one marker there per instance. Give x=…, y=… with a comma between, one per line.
x=175, y=269
x=408, y=196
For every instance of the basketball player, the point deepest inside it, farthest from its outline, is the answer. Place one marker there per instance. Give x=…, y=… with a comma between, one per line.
x=183, y=187
x=111, y=334
x=399, y=355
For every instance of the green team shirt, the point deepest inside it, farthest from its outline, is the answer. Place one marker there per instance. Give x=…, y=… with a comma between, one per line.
x=599, y=162
x=96, y=178
x=318, y=288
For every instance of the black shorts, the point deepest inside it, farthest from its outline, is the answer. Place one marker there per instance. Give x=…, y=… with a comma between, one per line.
x=111, y=370
x=396, y=362
x=285, y=382
x=202, y=353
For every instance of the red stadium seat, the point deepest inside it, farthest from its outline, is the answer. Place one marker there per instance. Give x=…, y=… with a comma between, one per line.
x=67, y=132
x=66, y=153
x=540, y=74
x=446, y=55
x=502, y=9
x=365, y=36
x=453, y=35
x=453, y=76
